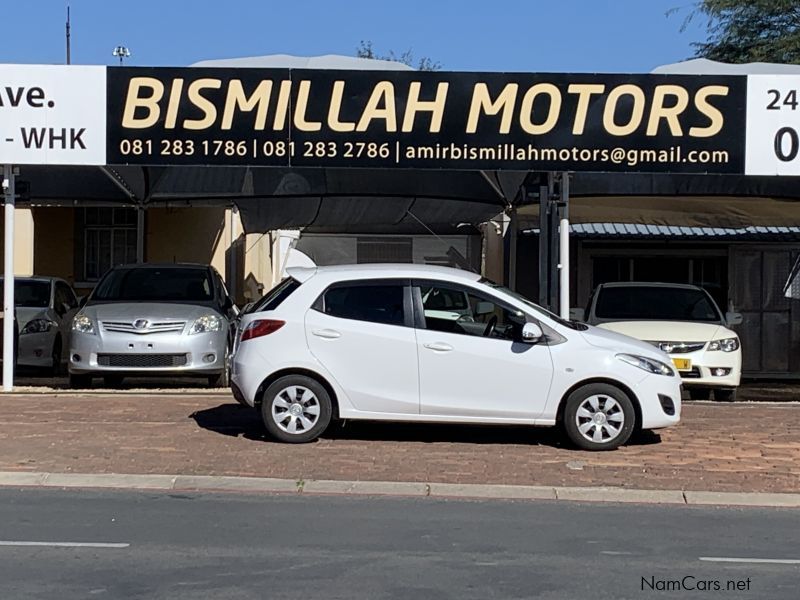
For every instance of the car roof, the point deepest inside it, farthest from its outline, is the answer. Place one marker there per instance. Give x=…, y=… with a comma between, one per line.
x=42, y=278
x=385, y=270
x=656, y=284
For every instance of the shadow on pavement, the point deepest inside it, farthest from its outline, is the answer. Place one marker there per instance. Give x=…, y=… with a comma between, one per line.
x=237, y=421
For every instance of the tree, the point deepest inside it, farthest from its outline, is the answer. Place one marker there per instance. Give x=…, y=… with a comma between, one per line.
x=750, y=30
x=366, y=50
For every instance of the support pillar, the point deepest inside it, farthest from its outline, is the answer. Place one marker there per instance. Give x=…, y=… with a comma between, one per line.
x=8, y=281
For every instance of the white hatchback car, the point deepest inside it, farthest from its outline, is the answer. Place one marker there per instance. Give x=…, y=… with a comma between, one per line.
x=434, y=344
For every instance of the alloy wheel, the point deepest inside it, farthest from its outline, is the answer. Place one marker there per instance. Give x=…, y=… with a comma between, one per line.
x=600, y=418
x=295, y=409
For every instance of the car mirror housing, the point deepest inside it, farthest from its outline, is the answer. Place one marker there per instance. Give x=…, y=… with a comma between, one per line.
x=733, y=318
x=531, y=333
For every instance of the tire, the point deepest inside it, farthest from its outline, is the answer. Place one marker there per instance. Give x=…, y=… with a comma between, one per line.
x=112, y=381
x=725, y=394
x=582, y=417
x=80, y=382
x=55, y=367
x=288, y=396
x=699, y=393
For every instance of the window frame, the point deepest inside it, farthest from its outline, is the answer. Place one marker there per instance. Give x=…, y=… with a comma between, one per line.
x=114, y=227
x=419, y=309
x=403, y=282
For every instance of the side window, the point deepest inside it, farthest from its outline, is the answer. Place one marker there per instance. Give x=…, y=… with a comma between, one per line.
x=63, y=295
x=453, y=309
x=373, y=302
x=276, y=295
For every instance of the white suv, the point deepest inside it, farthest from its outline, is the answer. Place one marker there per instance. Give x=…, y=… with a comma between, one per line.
x=433, y=344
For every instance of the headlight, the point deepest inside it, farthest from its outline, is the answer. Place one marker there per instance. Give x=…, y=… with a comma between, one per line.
x=726, y=345
x=206, y=323
x=647, y=364
x=37, y=326
x=82, y=324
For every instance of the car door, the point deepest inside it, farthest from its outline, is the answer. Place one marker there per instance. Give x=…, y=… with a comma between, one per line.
x=472, y=362
x=362, y=333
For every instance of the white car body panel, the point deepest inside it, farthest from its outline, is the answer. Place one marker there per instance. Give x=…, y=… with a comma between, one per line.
x=492, y=377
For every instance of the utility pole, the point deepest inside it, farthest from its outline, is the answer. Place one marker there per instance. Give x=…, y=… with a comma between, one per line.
x=69, y=60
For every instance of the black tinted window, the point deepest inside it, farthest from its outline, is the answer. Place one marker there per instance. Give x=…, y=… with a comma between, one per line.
x=655, y=303
x=276, y=295
x=378, y=303
x=153, y=284
x=33, y=294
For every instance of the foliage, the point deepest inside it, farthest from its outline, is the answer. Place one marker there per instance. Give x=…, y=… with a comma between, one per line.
x=366, y=50
x=749, y=30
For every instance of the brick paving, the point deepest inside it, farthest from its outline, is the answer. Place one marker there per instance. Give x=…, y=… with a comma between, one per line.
x=721, y=447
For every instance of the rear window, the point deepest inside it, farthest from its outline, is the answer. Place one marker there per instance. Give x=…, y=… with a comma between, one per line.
x=655, y=304
x=276, y=295
x=154, y=284
x=376, y=303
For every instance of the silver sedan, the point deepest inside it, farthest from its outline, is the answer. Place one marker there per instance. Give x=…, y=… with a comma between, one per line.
x=153, y=320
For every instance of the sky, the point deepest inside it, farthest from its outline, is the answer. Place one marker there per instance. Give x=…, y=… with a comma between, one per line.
x=625, y=36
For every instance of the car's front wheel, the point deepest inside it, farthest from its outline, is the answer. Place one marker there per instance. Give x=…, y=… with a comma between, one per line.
x=599, y=416
x=296, y=409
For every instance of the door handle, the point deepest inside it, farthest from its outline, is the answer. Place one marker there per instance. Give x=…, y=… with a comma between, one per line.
x=328, y=334
x=438, y=346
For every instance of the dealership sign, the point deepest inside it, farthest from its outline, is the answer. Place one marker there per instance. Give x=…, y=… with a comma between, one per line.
x=65, y=115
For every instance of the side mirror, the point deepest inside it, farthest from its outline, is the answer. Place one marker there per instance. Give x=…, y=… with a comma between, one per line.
x=733, y=318
x=577, y=314
x=82, y=301
x=531, y=333
x=484, y=308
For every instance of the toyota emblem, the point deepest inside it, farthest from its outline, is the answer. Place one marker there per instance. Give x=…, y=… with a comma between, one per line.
x=141, y=323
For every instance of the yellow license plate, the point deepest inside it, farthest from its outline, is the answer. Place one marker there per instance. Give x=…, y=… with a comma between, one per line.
x=682, y=364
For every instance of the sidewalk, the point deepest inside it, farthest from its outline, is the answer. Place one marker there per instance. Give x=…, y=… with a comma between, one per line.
x=719, y=447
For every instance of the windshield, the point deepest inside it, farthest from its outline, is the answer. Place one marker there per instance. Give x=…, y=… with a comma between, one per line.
x=31, y=294
x=156, y=284
x=516, y=295
x=656, y=303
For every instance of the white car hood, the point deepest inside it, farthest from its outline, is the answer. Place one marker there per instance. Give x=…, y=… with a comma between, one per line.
x=669, y=331
x=603, y=338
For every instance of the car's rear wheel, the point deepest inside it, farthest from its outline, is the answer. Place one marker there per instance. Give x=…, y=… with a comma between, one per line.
x=725, y=394
x=296, y=409
x=599, y=416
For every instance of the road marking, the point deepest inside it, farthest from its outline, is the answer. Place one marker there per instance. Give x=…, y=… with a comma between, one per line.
x=615, y=553
x=774, y=561
x=67, y=544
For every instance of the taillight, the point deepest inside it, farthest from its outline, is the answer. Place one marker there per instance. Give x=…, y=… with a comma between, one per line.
x=261, y=327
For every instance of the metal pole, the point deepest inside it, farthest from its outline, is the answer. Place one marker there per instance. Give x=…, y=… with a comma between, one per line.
x=544, y=245
x=513, y=227
x=8, y=281
x=563, y=249
x=140, y=234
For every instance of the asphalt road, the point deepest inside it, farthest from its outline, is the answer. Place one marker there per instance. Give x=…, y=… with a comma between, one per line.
x=226, y=546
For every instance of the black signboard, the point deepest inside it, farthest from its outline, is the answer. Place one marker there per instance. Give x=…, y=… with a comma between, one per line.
x=428, y=120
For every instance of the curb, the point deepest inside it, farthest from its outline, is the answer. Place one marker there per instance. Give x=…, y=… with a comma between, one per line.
x=211, y=483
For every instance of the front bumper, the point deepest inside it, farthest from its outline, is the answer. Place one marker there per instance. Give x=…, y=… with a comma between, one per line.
x=659, y=400
x=145, y=354
x=36, y=349
x=703, y=364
